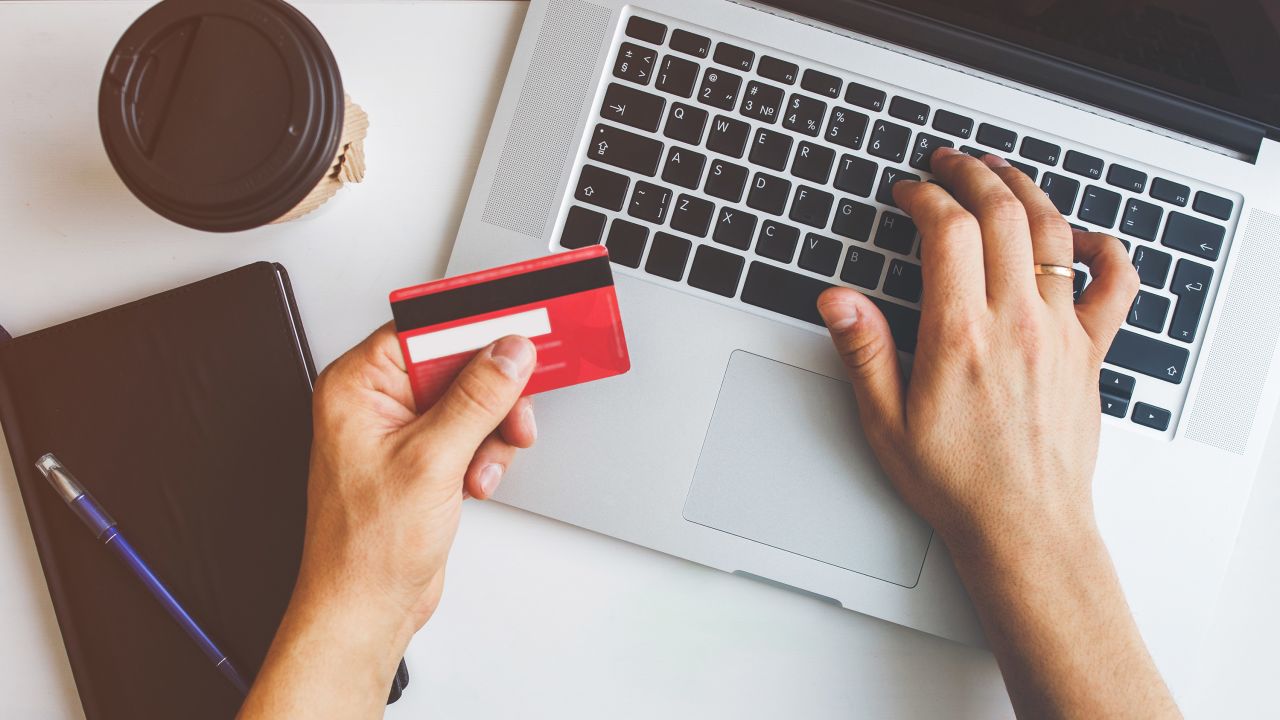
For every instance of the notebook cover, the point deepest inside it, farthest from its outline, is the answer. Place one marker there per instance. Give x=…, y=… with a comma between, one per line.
x=188, y=416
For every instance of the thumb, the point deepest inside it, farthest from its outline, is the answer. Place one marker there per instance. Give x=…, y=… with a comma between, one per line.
x=862, y=337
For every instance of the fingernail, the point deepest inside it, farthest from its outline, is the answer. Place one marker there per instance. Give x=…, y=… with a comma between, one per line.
x=839, y=316
x=530, y=422
x=490, y=477
x=995, y=161
x=513, y=356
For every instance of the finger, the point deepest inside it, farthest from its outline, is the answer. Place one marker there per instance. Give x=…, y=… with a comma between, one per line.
x=1051, y=242
x=487, y=468
x=862, y=337
x=519, y=427
x=482, y=395
x=1006, y=241
x=1105, y=302
x=950, y=244
x=376, y=367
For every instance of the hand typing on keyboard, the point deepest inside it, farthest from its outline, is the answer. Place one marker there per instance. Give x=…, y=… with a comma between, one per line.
x=993, y=439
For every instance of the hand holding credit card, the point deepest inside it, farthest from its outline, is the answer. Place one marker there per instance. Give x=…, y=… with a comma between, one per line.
x=565, y=303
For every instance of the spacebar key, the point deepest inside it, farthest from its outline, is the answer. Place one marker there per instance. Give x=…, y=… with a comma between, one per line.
x=1148, y=356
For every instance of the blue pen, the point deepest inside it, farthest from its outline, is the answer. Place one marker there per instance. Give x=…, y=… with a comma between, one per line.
x=104, y=528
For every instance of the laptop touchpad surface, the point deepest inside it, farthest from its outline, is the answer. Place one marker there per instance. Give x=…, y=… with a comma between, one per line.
x=785, y=463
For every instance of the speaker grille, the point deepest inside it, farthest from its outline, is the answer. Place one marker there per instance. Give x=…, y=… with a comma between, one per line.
x=546, y=117
x=1238, y=362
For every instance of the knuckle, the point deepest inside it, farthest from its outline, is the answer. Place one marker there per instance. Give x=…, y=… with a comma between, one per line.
x=475, y=396
x=862, y=351
x=1002, y=206
x=955, y=222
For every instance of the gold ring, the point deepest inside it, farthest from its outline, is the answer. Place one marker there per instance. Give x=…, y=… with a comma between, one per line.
x=1059, y=270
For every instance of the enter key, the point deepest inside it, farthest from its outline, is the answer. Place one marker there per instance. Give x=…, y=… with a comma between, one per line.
x=1191, y=282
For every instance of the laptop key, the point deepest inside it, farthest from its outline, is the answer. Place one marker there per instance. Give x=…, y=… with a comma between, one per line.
x=854, y=220
x=1152, y=266
x=784, y=292
x=728, y=136
x=635, y=63
x=812, y=207
x=761, y=101
x=719, y=88
x=903, y=281
x=813, y=162
x=997, y=137
x=726, y=180
x=1078, y=284
x=1194, y=236
x=972, y=151
x=770, y=149
x=862, y=267
x=734, y=57
x=820, y=83
x=778, y=70
x=923, y=149
x=768, y=193
x=1213, y=205
x=1118, y=384
x=820, y=254
x=649, y=202
x=716, y=271
x=602, y=188
x=952, y=123
x=582, y=228
x=866, y=97
x=686, y=123
x=1114, y=406
x=1149, y=311
x=633, y=107
x=692, y=215
x=1027, y=169
x=1151, y=357
x=1127, y=178
x=734, y=228
x=1062, y=190
x=1191, y=284
x=889, y=141
x=1151, y=416
x=626, y=150
x=910, y=110
x=1099, y=206
x=677, y=76
x=889, y=178
x=777, y=241
x=804, y=115
x=668, y=256
x=1040, y=151
x=683, y=168
x=1081, y=164
x=1141, y=219
x=626, y=242
x=683, y=41
x=847, y=127
x=896, y=233
x=1170, y=192
x=646, y=30
x=856, y=175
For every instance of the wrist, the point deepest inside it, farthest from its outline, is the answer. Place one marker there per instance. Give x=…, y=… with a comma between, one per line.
x=1016, y=547
x=365, y=625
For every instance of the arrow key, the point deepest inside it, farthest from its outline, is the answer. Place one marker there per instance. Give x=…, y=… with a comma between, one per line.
x=1111, y=382
x=1151, y=416
x=1114, y=405
x=1191, y=282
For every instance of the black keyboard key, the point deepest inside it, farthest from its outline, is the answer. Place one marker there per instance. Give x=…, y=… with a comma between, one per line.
x=820, y=83
x=602, y=188
x=1193, y=235
x=923, y=149
x=683, y=41
x=812, y=206
x=1191, y=284
x=1127, y=178
x=626, y=150
x=626, y=242
x=903, y=281
x=889, y=141
x=847, y=127
x=1170, y=191
x=866, y=97
x=582, y=228
x=1146, y=355
x=1040, y=151
x=728, y=136
x=683, y=168
x=854, y=220
x=770, y=149
x=813, y=162
x=997, y=137
x=646, y=30
x=716, y=271
x=1152, y=266
x=778, y=70
x=1213, y=205
x=635, y=63
x=896, y=233
x=734, y=228
x=677, y=76
x=1078, y=284
x=777, y=241
x=1081, y=164
x=1062, y=190
x=649, y=202
x=1118, y=384
x=972, y=151
x=734, y=57
x=686, y=123
x=952, y=124
x=784, y=292
x=726, y=180
x=633, y=107
x=1149, y=311
x=668, y=256
x=692, y=215
x=761, y=101
x=856, y=175
x=1027, y=169
x=1099, y=206
x=862, y=267
x=1151, y=416
x=820, y=254
x=804, y=115
x=1115, y=406
x=889, y=178
x=719, y=88
x=910, y=110
x=768, y=193
x=1141, y=219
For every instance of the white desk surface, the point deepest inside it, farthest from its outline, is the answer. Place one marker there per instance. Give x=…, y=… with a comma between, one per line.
x=539, y=619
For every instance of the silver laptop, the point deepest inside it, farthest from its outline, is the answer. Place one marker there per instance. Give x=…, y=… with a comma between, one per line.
x=736, y=159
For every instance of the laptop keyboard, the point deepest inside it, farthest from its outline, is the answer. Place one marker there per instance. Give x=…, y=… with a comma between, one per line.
x=747, y=175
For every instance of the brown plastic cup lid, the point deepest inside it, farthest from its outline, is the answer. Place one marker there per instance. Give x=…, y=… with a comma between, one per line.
x=221, y=114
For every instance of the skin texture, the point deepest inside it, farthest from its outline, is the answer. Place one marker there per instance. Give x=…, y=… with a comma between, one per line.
x=993, y=442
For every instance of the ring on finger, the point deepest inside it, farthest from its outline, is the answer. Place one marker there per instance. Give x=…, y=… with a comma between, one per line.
x=1059, y=270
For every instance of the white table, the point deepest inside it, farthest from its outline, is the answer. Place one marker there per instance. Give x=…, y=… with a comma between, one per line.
x=539, y=619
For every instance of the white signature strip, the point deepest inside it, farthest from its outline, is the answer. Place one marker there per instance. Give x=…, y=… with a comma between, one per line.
x=462, y=338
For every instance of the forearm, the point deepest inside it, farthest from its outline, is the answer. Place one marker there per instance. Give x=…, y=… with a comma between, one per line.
x=1059, y=625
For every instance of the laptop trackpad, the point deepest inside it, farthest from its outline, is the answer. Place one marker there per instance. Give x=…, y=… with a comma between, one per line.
x=785, y=463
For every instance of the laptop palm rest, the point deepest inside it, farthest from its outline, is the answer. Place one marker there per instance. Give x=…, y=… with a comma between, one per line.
x=785, y=463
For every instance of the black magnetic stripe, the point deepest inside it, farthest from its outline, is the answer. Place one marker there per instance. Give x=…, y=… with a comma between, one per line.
x=522, y=289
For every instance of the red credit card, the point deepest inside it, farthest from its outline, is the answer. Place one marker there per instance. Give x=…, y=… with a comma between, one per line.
x=565, y=303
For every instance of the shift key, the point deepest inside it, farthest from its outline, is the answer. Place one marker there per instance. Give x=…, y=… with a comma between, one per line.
x=625, y=150
x=1149, y=356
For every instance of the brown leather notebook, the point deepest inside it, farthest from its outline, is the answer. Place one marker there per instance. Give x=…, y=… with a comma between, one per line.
x=188, y=416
